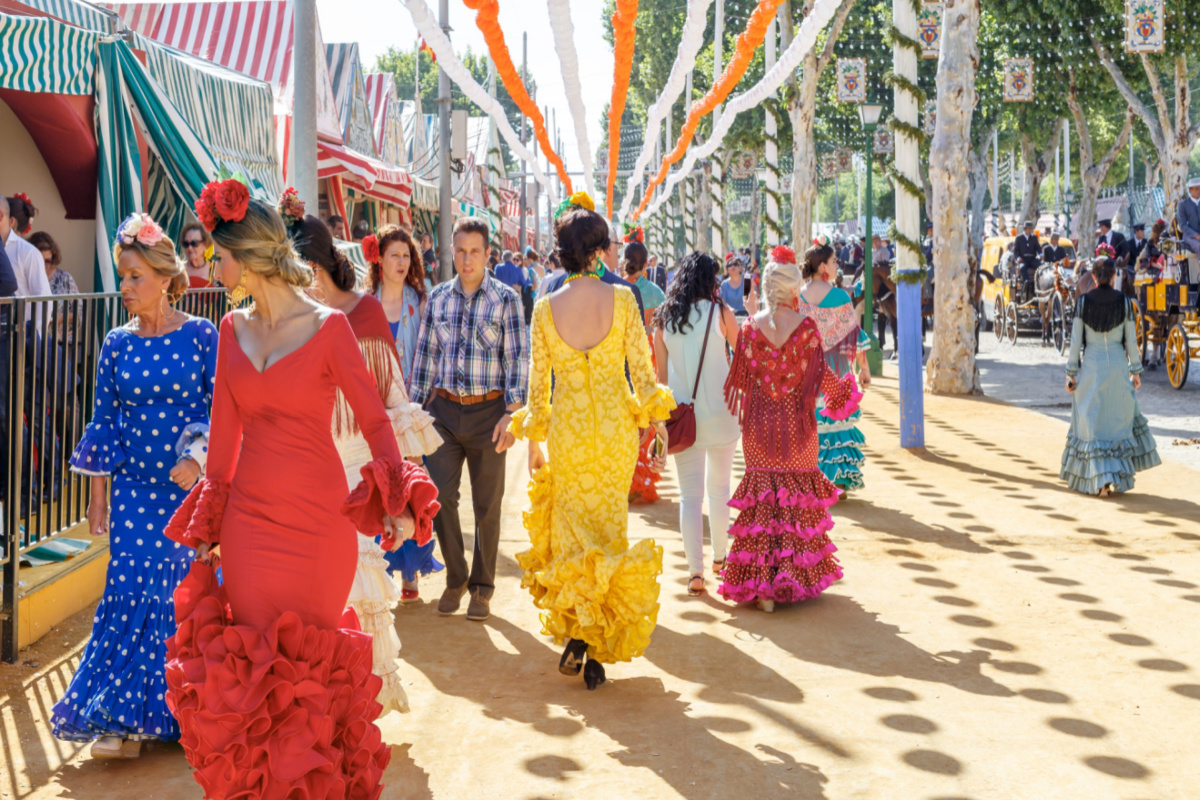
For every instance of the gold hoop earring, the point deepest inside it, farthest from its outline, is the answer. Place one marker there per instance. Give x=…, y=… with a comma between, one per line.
x=169, y=308
x=238, y=293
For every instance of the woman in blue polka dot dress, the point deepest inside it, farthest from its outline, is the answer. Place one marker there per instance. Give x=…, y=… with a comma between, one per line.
x=149, y=433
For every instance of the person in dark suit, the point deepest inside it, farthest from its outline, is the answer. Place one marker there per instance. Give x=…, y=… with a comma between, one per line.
x=1107, y=235
x=1187, y=217
x=1132, y=248
x=656, y=273
x=1054, y=252
x=1026, y=251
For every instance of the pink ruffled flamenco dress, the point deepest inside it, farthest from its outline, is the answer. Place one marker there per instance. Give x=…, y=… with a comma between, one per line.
x=269, y=674
x=781, y=550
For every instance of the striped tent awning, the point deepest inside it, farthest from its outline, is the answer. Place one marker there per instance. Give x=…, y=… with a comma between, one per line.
x=386, y=122
x=44, y=55
x=425, y=194
x=368, y=175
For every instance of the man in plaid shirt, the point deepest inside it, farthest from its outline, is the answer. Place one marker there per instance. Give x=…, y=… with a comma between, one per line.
x=471, y=370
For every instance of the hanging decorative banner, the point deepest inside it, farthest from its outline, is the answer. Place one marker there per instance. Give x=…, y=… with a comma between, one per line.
x=845, y=159
x=1018, y=80
x=1144, y=26
x=852, y=80
x=929, y=29
x=742, y=166
x=785, y=183
x=884, y=143
x=829, y=166
x=930, y=118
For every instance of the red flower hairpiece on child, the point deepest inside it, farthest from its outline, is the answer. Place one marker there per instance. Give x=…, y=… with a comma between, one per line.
x=222, y=201
x=783, y=255
x=370, y=246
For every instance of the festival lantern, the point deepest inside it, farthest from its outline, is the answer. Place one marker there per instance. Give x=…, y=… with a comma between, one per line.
x=1144, y=26
x=1018, y=80
x=885, y=144
x=929, y=29
x=851, y=80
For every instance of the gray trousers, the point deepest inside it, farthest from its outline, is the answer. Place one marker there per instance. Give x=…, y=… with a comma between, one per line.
x=466, y=433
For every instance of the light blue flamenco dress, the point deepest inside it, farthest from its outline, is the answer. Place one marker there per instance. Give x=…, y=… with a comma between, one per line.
x=1109, y=439
x=840, y=441
x=152, y=406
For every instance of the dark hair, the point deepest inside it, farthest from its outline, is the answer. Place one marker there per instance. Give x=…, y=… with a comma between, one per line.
x=44, y=241
x=334, y=220
x=634, y=257
x=695, y=280
x=553, y=260
x=314, y=244
x=533, y=254
x=1103, y=270
x=580, y=234
x=814, y=257
x=387, y=236
x=472, y=225
x=362, y=229
x=21, y=212
x=205, y=238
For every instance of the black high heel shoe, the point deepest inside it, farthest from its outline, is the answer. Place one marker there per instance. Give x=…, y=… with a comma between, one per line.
x=572, y=657
x=593, y=674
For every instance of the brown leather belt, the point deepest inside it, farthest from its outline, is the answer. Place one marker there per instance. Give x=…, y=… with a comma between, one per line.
x=470, y=399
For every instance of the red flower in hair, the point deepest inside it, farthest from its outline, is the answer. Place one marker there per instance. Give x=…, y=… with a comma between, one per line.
x=231, y=198
x=206, y=208
x=783, y=255
x=370, y=246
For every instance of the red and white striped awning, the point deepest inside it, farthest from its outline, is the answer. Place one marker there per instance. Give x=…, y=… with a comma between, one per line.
x=368, y=175
x=510, y=203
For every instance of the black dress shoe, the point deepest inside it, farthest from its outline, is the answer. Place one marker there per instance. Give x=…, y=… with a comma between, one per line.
x=572, y=657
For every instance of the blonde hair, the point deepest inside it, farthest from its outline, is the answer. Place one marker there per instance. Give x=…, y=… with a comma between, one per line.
x=780, y=284
x=260, y=243
x=162, y=261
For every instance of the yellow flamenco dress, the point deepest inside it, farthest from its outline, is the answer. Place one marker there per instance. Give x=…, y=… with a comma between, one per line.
x=583, y=575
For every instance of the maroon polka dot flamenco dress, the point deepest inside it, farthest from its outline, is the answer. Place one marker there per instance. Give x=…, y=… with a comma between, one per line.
x=781, y=548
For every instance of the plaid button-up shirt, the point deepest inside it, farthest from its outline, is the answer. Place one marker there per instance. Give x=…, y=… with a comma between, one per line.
x=472, y=345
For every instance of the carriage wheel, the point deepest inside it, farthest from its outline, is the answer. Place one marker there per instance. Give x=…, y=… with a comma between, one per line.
x=998, y=318
x=1177, y=356
x=1010, y=323
x=1139, y=323
x=1058, y=325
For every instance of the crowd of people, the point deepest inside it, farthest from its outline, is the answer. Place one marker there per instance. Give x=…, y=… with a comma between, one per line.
x=264, y=480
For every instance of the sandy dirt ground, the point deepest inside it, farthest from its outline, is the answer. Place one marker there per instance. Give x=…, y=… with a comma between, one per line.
x=996, y=636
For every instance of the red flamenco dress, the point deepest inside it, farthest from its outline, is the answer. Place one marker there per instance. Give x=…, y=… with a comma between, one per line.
x=781, y=550
x=269, y=680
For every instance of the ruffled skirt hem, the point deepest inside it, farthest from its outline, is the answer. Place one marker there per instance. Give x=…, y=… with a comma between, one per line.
x=1088, y=467
x=606, y=595
x=284, y=712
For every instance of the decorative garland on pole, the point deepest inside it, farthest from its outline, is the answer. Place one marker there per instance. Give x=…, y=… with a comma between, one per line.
x=564, y=45
x=624, y=21
x=717, y=187
x=747, y=43
x=690, y=43
x=435, y=39
x=486, y=19
x=806, y=37
x=771, y=187
x=906, y=184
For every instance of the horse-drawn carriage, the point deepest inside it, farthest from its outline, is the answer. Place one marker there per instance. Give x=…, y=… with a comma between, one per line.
x=1033, y=295
x=1168, y=314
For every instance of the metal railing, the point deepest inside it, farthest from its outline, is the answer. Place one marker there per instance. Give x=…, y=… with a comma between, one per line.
x=49, y=350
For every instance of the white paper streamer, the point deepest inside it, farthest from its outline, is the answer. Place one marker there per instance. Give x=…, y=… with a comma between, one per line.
x=564, y=45
x=806, y=39
x=432, y=33
x=690, y=43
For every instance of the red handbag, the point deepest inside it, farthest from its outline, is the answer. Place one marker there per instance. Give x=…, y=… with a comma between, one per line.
x=681, y=427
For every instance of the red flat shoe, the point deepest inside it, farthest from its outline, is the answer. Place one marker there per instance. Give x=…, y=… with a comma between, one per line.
x=408, y=596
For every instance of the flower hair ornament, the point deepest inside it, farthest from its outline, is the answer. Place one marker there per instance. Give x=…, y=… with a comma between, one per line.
x=291, y=207
x=1106, y=250
x=783, y=255
x=141, y=229
x=822, y=240
x=370, y=248
x=633, y=233
x=222, y=201
x=24, y=198
x=577, y=200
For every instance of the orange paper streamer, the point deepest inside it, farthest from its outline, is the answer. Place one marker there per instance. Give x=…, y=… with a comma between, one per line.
x=623, y=20
x=747, y=42
x=486, y=19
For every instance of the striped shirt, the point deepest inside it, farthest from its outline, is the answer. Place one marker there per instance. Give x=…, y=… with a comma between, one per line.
x=472, y=345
